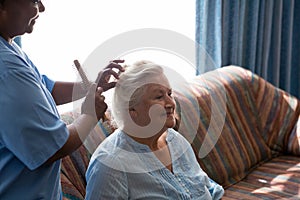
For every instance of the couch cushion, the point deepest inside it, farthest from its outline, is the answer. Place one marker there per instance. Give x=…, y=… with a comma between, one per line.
x=277, y=179
x=278, y=112
x=227, y=141
x=74, y=166
x=73, y=174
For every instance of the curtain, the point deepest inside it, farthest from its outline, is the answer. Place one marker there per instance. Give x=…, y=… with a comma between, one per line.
x=260, y=35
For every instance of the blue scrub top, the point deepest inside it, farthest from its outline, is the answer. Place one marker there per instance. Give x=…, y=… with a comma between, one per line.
x=31, y=130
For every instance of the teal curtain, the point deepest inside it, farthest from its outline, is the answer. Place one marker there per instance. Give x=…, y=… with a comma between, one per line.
x=260, y=35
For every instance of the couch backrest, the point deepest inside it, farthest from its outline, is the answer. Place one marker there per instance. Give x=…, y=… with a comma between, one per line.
x=278, y=113
x=242, y=121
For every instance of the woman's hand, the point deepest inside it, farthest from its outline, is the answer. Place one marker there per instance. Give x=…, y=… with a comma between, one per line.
x=112, y=69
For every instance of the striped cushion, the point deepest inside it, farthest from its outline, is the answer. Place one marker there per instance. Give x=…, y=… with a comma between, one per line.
x=278, y=113
x=276, y=179
x=74, y=166
x=73, y=174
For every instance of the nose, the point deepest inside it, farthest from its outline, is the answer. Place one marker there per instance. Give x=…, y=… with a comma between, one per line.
x=41, y=7
x=170, y=102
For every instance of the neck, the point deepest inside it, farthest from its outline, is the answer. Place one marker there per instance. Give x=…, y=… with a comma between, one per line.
x=8, y=39
x=155, y=142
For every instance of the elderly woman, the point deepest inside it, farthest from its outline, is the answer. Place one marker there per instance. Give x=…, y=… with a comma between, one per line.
x=145, y=158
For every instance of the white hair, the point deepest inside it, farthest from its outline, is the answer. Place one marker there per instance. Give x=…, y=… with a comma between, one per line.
x=130, y=88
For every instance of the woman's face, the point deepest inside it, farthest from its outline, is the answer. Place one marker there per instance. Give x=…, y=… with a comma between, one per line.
x=156, y=105
x=19, y=16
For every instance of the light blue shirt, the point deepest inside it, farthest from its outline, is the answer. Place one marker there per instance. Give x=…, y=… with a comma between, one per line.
x=122, y=168
x=30, y=129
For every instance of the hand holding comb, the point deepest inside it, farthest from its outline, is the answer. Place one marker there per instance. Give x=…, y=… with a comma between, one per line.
x=86, y=83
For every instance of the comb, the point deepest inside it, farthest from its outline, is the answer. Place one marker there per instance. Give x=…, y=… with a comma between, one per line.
x=85, y=81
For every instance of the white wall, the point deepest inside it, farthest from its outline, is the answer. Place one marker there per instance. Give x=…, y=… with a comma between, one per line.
x=72, y=29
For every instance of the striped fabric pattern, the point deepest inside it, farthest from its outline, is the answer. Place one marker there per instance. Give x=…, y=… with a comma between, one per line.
x=244, y=131
x=74, y=166
x=278, y=178
x=73, y=170
x=259, y=123
x=239, y=146
x=278, y=114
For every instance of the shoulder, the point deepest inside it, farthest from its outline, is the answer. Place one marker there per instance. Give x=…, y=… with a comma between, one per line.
x=119, y=153
x=179, y=143
x=173, y=135
x=105, y=165
x=108, y=150
x=15, y=67
x=13, y=58
x=10, y=56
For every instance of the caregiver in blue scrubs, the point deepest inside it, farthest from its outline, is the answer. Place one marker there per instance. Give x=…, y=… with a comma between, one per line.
x=33, y=138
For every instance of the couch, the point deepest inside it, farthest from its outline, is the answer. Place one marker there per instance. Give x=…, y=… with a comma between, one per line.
x=244, y=131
